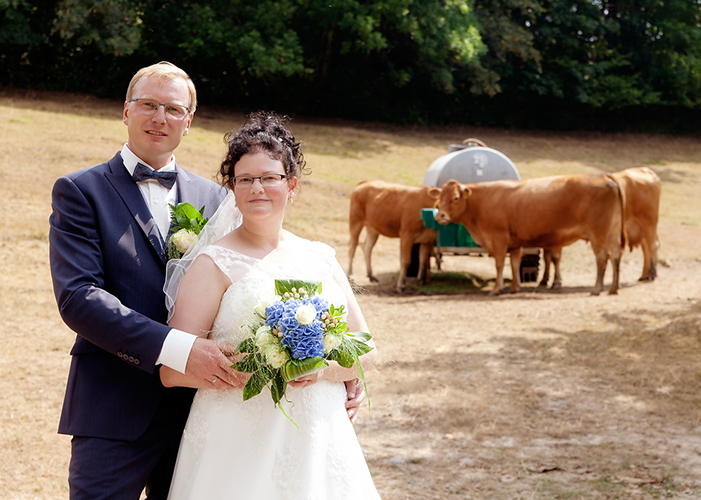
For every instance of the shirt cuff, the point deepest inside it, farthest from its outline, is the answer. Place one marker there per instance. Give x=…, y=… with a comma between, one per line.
x=176, y=350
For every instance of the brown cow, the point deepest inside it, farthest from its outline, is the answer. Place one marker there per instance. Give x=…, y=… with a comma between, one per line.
x=642, y=189
x=394, y=211
x=504, y=216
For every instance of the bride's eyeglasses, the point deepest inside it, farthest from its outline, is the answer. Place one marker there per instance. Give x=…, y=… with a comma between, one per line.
x=267, y=180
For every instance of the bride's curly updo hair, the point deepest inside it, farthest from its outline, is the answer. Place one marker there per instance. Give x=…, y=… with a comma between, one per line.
x=264, y=132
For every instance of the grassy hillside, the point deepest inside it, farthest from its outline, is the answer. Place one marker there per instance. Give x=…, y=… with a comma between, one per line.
x=43, y=136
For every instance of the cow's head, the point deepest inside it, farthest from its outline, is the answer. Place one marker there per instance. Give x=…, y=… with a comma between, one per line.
x=452, y=201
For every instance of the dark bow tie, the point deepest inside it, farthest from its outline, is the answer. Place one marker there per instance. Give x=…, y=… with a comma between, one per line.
x=142, y=173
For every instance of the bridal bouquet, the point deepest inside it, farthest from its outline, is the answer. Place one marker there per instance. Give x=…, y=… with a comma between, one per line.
x=296, y=333
x=186, y=223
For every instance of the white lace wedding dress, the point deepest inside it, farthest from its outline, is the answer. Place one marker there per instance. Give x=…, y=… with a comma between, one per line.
x=249, y=450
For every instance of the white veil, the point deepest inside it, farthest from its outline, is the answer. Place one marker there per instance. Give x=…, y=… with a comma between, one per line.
x=225, y=219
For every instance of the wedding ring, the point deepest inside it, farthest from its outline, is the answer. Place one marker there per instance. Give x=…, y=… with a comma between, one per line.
x=215, y=380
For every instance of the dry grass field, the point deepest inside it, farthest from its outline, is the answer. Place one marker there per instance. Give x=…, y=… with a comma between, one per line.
x=535, y=395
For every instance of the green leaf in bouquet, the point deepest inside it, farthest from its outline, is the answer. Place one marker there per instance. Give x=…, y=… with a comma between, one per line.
x=360, y=348
x=342, y=357
x=247, y=345
x=278, y=387
x=337, y=311
x=348, y=353
x=296, y=368
x=257, y=381
x=359, y=336
x=284, y=286
x=339, y=329
x=249, y=364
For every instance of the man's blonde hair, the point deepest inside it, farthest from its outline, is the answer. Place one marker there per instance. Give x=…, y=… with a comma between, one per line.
x=165, y=71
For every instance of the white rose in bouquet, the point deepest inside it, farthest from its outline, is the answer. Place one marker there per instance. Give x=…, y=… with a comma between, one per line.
x=275, y=355
x=331, y=342
x=305, y=314
x=264, y=336
x=260, y=307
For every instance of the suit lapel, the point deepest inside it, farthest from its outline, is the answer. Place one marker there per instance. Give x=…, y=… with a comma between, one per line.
x=187, y=189
x=198, y=192
x=131, y=195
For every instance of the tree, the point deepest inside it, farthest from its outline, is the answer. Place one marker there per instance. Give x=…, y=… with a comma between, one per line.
x=113, y=26
x=518, y=62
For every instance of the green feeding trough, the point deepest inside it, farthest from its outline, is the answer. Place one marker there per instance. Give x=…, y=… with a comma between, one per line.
x=449, y=236
x=468, y=165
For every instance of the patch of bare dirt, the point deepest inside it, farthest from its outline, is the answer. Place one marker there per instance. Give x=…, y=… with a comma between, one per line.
x=538, y=394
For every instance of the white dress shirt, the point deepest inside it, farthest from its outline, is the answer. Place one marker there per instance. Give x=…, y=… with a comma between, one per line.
x=178, y=344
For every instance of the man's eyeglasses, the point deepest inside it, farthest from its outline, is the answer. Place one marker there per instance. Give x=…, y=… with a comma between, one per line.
x=150, y=107
x=267, y=180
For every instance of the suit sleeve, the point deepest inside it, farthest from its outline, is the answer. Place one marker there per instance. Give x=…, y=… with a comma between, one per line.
x=79, y=279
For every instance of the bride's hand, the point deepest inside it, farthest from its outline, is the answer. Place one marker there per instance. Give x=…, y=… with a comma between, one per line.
x=305, y=381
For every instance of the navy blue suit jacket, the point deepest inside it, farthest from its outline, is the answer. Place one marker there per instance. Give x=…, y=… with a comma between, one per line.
x=108, y=267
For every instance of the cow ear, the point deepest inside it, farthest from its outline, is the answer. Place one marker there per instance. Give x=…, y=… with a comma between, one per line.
x=467, y=191
x=434, y=193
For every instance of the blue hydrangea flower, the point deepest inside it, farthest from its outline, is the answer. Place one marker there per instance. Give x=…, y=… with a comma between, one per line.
x=287, y=319
x=320, y=305
x=273, y=313
x=305, y=341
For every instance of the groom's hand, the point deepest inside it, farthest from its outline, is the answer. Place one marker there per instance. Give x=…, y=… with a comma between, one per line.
x=208, y=364
x=356, y=395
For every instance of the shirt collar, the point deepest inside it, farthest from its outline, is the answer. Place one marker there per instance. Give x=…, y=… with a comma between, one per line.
x=130, y=160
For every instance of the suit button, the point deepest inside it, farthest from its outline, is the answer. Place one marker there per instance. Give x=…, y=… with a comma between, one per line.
x=120, y=354
x=131, y=359
x=136, y=361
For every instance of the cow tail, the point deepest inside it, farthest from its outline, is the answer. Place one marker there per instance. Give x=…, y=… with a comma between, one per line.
x=622, y=202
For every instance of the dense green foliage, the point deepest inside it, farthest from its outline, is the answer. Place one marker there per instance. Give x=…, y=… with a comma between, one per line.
x=618, y=64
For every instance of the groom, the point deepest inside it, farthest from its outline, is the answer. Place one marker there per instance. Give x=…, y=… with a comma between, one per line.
x=108, y=229
x=107, y=250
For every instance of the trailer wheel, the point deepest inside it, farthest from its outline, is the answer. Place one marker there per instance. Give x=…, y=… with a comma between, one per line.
x=529, y=267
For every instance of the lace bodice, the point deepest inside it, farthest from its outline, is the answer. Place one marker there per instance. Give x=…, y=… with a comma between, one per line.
x=254, y=279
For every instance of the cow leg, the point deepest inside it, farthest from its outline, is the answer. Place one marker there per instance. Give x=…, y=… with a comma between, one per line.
x=405, y=261
x=555, y=254
x=499, y=262
x=355, y=228
x=649, y=246
x=616, y=252
x=646, y=260
x=439, y=258
x=601, y=254
x=515, y=258
x=371, y=236
x=616, y=265
x=547, y=258
x=654, y=246
x=425, y=263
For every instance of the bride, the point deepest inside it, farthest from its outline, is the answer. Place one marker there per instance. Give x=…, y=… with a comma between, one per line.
x=233, y=449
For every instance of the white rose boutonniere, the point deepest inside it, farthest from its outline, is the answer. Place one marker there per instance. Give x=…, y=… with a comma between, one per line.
x=186, y=222
x=183, y=239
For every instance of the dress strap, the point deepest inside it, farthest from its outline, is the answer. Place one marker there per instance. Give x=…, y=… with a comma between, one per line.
x=233, y=264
